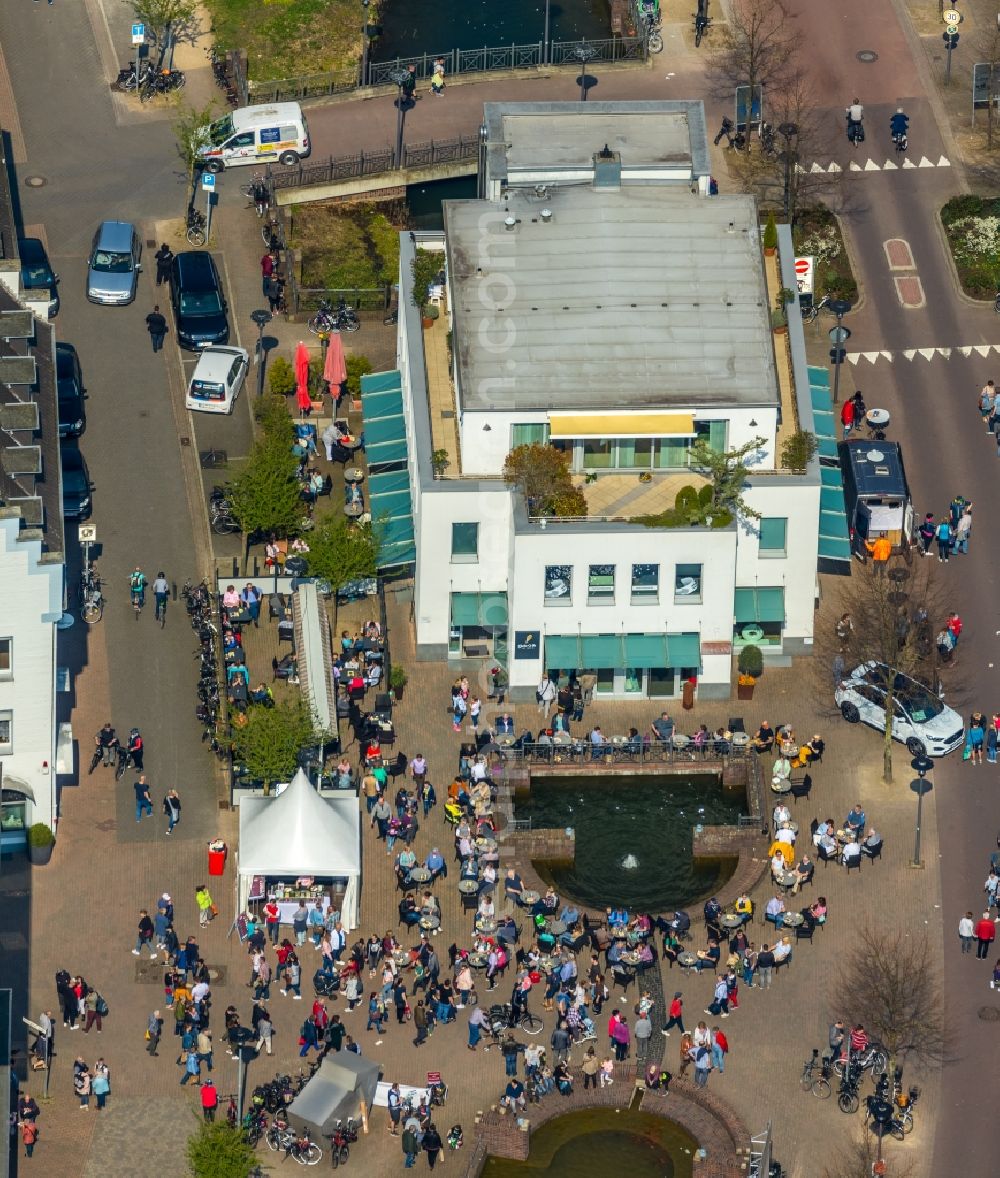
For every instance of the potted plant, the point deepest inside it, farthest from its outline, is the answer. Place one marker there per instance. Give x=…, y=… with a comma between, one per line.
x=426, y=270
x=751, y=667
x=779, y=321
x=41, y=840
x=428, y=314
x=770, y=237
x=439, y=463
x=398, y=679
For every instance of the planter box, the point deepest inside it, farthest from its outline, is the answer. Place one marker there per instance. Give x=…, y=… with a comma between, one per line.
x=39, y=856
x=745, y=690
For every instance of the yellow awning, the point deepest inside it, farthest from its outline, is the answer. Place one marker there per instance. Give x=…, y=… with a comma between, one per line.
x=621, y=425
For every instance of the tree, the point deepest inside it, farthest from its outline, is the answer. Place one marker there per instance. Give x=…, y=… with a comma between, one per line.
x=727, y=472
x=988, y=52
x=167, y=21
x=541, y=474
x=268, y=743
x=189, y=126
x=858, y=1157
x=890, y=983
x=797, y=451
x=892, y=623
x=342, y=551
x=755, y=48
x=218, y=1150
x=265, y=496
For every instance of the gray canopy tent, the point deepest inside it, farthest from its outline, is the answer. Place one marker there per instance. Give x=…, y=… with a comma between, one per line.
x=336, y=1091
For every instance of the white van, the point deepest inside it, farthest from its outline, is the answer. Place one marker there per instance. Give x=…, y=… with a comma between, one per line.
x=256, y=135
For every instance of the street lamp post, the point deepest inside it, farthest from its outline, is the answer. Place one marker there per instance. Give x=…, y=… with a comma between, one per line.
x=545, y=43
x=839, y=336
x=789, y=158
x=398, y=77
x=583, y=53
x=920, y=787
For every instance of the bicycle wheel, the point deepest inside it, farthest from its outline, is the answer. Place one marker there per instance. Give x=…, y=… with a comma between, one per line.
x=247, y=190
x=342, y=1155
x=697, y=39
x=897, y=1130
x=318, y=324
x=880, y=1061
x=848, y=1102
x=273, y=1142
x=270, y=233
x=196, y=235
x=351, y=324
x=311, y=1156
x=224, y=525
x=531, y=1024
x=92, y=613
x=806, y=1082
x=906, y=1120
x=655, y=43
x=821, y=1088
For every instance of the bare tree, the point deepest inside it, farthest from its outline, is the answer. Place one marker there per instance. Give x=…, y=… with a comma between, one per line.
x=859, y=1156
x=890, y=983
x=988, y=52
x=756, y=47
x=894, y=614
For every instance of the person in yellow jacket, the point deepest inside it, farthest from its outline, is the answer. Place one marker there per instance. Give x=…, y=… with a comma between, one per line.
x=205, y=905
x=881, y=550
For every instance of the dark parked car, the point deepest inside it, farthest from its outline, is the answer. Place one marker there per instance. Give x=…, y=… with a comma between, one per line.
x=69, y=382
x=36, y=273
x=75, y=483
x=198, y=302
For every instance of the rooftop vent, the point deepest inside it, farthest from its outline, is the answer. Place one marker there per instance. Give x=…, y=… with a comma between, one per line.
x=546, y=216
x=607, y=168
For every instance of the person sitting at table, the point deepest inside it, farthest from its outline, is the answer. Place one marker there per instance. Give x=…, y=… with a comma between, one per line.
x=429, y=905
x=466, y=848
x=488, y=882
x=820, y=830
x=872, y=841
x=478, y=771
x=712, y=909
x=852, y=852
x=782, y=769
x=782, y=950
x=816, y=747
x=408, y=912
x=709, y=958
x=663, y=728
x=763, y=742
x=406, y=860
x=646, y=954
x=778, y=847
x=855, y=820
x=775, y=911
x=738, y=944
x=485, y=908
x=826, y=844
x=633, y=744
x=777, y=866
x=435, y=864
x=617, y=918
x=614, y=952
x=785, y=834
x=546, y=905
x=671, y=947
x=818, y=910
x=505, y=725
x=713, y=930
x=744, y=907
x=506, y=930
x=569, y=914
x=803, y=873
x=780, y=814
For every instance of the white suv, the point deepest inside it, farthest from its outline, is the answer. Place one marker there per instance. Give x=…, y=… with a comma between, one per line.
x=920, y=721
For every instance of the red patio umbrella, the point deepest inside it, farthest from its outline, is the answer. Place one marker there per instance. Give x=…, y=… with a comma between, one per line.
x=302, y=376
x=335, y=369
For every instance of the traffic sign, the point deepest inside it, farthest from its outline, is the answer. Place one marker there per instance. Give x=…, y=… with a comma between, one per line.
x=87, y=534
x=138, y=34
x=952, y=17
x=804, y=270
x=208, y=181
x=950, y=39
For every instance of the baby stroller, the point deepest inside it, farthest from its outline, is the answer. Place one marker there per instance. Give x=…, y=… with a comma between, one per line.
x=455, y=1138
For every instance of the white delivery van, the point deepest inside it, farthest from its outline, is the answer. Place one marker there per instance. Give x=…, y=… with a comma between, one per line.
x=256, y=135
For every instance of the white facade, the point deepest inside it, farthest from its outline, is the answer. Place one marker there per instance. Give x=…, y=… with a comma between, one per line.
x=31, y=596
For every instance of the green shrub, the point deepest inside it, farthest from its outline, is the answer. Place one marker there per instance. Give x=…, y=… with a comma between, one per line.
x=281, y=378
x=273, y=418
x=357, y=367
x=797, y=450
x=966, y=205
x=39, y=835
x=751, y=661
x=770, y=233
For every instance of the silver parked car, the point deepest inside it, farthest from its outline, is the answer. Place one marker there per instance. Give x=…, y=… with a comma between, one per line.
x=113, y=269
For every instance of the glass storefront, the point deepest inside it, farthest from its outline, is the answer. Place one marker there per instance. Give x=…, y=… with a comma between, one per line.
x=626, y=666
x=13, y=820
x=597, y=454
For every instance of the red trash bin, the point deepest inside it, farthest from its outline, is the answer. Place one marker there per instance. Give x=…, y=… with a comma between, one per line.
x=217, y=858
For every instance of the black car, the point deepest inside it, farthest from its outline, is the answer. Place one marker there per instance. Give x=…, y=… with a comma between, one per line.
x=36, y=273
x=75, y=483
x=69, y=383
x=198, y=302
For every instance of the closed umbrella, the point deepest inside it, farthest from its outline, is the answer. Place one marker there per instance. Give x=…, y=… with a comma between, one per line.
x=335, y=369
x=302, y=376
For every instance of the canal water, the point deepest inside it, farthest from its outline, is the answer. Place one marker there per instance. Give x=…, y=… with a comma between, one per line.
x=633, y=837
x=597, y=1142
x=438, y=28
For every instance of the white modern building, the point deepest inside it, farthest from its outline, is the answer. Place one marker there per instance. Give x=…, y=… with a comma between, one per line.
x=597, y=299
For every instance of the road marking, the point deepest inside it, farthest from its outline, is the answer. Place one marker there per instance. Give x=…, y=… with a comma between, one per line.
x=928, y=354
x=898, y=254
x=910, y=291
x=871, y=165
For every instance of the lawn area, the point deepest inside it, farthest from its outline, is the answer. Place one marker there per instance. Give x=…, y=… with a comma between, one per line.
x=816, y=233
x=347, y=248
x=289, y=38
x=972, y=225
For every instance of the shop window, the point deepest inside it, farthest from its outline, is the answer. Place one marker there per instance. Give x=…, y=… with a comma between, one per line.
x=6, y=732
x=773, y=535
x=558, y=584
x=687, y=584
x=464, y=543
x=598, y=454
x=6, y=658
x=529, y=435
x=601, y=584
x=645, y=583
x=635, y=453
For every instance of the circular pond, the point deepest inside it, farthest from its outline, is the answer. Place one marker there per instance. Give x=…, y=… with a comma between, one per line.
x=593, y=1143
x=633, y=837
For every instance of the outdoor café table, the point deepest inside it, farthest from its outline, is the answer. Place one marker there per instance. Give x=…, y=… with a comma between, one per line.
x=430, y=923
x=619, y=740
x=556, y=927
x=631, y=959
x=485, y=926
x=687, y=959
x=420, y=875
x=529, y=898
x=781, y=785
x=354, y=474
x=787, y=879
x=731, y=920
x=401, y=956
x=793, y=919
x=354, y=510
x=562, y=738
x=479, y=960
x=468, y=887
x=484, y=845
x=546, y=963
x=789, y=749
x=505, y=739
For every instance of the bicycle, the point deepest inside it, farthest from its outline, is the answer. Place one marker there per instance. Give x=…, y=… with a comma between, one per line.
x=137, y=588
x=195, y=226
x=819, y=1085
x=91, y=596
x=256, y=192
x=810, y=311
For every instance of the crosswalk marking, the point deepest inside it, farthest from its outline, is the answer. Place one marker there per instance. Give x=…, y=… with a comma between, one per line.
x=928, y=354
x=871, y=165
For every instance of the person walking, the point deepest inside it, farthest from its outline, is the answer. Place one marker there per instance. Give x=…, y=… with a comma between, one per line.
x=209, y=1100
x=144, y=934
x=143, y=804
x=963, y=530
x=432, y=1138
x=156, y=325
x=100, y=1085
x=643, y=1030
x=985, y=934
x=411, y=1146
x=92, y=1004
x=394, y=1107
x=204, y=901
x=266, y=270
x=29, y=1130
x=765, y=967
x=154, y=1028
x=265, y=1030
x=293, y=977
x=943, y=535
x=622, y=1037
x=720, y=1049
x=545, y=694
x=172, y=809
x=437, y=78
x=164, y=258
x=966, y=932
x=81, y=1085
x=409, y=89
x=675, y=1015
x=590, y=1067
x=477, y=1020
x=191, y=1068
x=702, y=1066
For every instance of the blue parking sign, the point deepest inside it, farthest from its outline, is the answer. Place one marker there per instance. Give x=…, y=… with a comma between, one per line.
x=208, y=181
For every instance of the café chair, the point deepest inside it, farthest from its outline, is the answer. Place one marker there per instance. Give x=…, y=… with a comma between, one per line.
x=804, y=932
x=826, y=856
x=853, y=864
x=801, y=789
x=872, y=852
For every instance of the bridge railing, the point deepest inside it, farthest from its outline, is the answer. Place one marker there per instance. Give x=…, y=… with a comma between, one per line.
x=609, y=50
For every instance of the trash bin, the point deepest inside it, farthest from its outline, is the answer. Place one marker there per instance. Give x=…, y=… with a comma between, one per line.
x=217, y=852
x=687, y=695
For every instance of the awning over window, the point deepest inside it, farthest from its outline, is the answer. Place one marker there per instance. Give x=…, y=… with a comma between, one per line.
x=683, y=650
x=760, y=605
x=389, y=498
x=563, y=652
x=479, y=609
x=646, y=650
x=631, y=425
x=603, y=650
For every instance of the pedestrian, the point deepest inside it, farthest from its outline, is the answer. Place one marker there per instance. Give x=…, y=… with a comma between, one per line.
x=300, y=923
x=172, y=809
x=205, y=1046
x=765, y=967
x=963, y=530
x=154, y=1028
x=204, y=901
x=144, y=934
x=702, y=1065
x=622, y=1037
x=100, y=1086
x=164, y=257
x=265, y=1030
x=92, y=1004
x=545, y=693
x=209, y=1100
x=477, y=1020
x=985, y=934
x=590, y=1067
x=847, y=417
x=191, y=1068
x=394, y=1106
x=293, y=976
x=409, y=88
x=81, y=1085
x=437, y=78
x=966, y=932
x=27, y=1108
x=432, y=1139
x=29, y=1130
x=475, y=707
x=926, y=532
x=720, y=1049
x=411, y=1145
x=143, y=804
x=675, y=1015
x=266, y=270
x=943, y=535
x=642, y=1031
x=156, y=325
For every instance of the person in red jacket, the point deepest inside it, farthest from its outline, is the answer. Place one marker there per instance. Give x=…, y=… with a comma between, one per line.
x=209, y=1099
x=720, y=1049
x=847, y=417
x=985, y=934
x=676, y=1015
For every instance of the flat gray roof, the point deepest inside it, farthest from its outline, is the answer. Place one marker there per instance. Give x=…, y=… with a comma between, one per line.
x=639, y=297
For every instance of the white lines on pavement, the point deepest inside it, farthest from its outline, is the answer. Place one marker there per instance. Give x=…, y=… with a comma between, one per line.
x=924, y=353
x=871, y=165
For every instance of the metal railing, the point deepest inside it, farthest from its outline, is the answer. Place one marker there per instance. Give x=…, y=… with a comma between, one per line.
x=657, y=752
x=306, y=86
x=237, y=62
x=361, y=299
x=609, y=50
x=381, y=161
